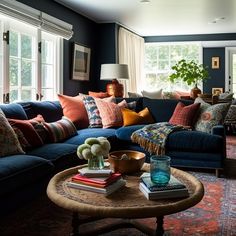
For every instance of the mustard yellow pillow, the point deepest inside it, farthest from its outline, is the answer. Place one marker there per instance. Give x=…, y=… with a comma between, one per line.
x=133, y=118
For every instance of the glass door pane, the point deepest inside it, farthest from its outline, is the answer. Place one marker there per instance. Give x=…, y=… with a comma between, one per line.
x=232, y=77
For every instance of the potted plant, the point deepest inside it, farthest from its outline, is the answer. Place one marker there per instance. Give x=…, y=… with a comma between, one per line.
x=191, y=73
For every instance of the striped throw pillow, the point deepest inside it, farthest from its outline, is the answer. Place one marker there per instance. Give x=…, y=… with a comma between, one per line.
x=60, y=130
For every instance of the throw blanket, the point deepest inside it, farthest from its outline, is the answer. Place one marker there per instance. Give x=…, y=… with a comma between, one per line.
x=153, y=137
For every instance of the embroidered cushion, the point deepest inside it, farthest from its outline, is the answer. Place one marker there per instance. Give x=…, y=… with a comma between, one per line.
x=210, y=115
x=73, y=108
x=154, y=95
x=133, y=118
x=61, y=129
x=9, y=144
x=95, y=120
x=28, y=131
x=184, y=115
x=111, y=113
x=231, y=114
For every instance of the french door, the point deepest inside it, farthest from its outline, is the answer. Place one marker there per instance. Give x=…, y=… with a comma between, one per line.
x=231, y=70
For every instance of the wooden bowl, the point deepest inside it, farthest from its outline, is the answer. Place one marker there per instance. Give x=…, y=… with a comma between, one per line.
x=132, y=165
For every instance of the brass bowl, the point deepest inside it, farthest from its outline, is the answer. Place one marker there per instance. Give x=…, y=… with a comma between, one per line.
x=132, y=165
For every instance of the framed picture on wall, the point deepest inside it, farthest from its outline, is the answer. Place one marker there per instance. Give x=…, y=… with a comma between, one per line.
x=217, y=91
x=81, y=62
x=215, y=62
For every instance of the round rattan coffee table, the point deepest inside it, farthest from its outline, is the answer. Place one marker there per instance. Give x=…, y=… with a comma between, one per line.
x=127, y=203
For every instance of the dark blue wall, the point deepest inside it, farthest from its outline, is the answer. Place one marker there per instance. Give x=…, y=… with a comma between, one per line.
x=85, y=33
x=106, y=50
x=217, y=76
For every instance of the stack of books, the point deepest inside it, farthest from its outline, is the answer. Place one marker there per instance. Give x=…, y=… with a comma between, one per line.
x=98, y=181
x=153, y=191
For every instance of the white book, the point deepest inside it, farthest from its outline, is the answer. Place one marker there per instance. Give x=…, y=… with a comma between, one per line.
x=107, y=190
x=173, y=193
x=95, y=173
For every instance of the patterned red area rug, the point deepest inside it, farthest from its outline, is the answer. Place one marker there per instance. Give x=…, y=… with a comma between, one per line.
x=215, y=215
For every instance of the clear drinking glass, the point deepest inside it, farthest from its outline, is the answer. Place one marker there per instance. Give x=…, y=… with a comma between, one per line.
x=160, y=169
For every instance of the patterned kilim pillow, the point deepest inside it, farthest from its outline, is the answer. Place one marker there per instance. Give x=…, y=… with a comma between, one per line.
x=61, y=129
x=9, y=143
x=95, y=120
x=210, y=115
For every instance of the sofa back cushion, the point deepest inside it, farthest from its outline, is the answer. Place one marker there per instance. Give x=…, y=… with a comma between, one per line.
x=50, y=110
x=162, y=109
x=14, y=111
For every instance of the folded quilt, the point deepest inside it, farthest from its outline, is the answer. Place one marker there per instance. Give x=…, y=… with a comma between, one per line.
x=153, y=137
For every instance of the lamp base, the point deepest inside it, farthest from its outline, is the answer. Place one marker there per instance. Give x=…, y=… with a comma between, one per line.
x=115, y=88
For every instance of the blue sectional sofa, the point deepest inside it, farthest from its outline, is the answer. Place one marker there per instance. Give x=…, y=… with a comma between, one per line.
x=26, y=175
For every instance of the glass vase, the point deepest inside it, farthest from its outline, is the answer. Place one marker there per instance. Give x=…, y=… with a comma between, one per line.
x=96, y=163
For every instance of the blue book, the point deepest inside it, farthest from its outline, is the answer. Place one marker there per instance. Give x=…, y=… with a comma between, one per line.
x=173, y=183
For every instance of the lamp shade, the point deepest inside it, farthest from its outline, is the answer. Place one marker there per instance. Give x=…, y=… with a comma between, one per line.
x=114, y=71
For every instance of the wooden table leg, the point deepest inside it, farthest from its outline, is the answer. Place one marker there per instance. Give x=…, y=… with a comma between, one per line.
x=160, y=229
x=75, y=224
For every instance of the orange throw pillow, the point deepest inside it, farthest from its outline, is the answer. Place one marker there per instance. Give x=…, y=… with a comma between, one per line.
x=74, y=109
x=133, y=118
x=184, y=115
x=98, y=94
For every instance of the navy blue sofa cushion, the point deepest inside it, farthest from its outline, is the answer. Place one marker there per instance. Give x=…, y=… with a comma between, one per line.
x=162, y=109
x=90, y=132
x=50, y=110
x=124, y=133
x=14, y=111
x=195, y=159
x=17, y=171
x=194, y=141
x=62, y=155
x=53, y=151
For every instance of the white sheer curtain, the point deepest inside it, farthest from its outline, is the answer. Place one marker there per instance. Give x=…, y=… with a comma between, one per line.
x=131, y=52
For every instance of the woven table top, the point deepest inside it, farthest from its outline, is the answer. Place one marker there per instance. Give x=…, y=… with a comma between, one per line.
x=127, y=202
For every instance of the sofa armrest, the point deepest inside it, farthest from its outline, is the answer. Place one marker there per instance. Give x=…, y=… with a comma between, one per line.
x=218, y=130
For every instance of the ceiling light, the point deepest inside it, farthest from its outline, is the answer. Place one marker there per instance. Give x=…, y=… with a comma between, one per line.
x=145, y=1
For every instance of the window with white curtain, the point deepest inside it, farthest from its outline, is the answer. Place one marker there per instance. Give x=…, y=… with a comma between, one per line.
x=30, y=53
x=160, y=57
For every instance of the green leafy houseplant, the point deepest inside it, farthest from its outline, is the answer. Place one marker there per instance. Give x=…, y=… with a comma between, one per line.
x=189, y=72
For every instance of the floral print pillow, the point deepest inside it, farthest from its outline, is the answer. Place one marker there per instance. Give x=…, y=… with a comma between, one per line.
x=210, y=115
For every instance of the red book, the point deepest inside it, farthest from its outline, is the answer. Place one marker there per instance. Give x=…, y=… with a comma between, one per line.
x=103, y=181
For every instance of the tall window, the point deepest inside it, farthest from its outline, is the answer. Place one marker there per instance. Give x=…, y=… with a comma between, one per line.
x=29, y=69
x=1, y=63
x=160, y=57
